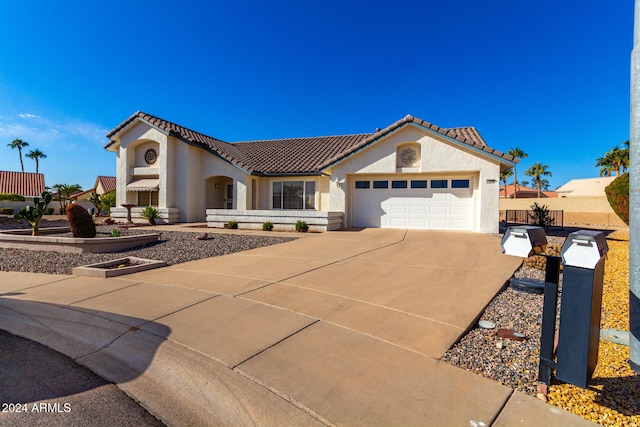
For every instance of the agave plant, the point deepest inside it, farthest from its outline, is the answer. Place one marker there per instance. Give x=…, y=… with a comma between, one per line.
x=150, y=214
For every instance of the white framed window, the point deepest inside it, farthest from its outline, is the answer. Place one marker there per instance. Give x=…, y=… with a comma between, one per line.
x=148, y=198
x=293, y=194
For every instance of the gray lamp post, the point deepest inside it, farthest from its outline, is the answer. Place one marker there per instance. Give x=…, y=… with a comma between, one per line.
x=634, y=202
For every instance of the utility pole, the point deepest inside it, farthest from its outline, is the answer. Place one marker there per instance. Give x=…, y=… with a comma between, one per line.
x=634, y=198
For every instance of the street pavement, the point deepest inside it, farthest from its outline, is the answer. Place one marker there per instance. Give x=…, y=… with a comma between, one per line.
x=41, y=387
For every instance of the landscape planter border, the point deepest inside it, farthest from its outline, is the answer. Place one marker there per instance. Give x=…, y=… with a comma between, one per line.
x=19, y=239
x=102, y=269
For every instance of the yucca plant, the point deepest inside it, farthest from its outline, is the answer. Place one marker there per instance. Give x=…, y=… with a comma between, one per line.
x=150, y=214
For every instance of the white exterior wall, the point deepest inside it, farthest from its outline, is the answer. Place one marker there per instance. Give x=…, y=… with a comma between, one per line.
x=438, y=156
x=139, y=134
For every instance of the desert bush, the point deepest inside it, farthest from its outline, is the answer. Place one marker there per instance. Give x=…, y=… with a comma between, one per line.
x=108, y=201
x=232, y=225
x=267, y=226
x=6, y=211
x=11, y=197
x=48, y=211
x=302, y=227
x=618, y=196
x=540, y=216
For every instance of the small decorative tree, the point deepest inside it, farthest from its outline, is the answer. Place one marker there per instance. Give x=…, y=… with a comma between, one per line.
x=96, y=200
x=34, y=213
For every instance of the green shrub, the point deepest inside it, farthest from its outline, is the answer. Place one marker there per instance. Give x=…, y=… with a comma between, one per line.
x=116, y=233
x=618, y=196
x=108, y=201
x=267, y=226
x=540, y=216
x=6, y=211
x=150, y=214
x=11, y=197
x=48, y=211
x=232, y=225
x=302, y=227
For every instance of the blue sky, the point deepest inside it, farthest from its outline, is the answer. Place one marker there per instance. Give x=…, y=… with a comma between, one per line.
x=549, y=77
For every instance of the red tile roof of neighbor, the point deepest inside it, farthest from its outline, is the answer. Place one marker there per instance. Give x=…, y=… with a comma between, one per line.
x=299, y=155
x=108, y=183
x=23, y=183
x=526, y=192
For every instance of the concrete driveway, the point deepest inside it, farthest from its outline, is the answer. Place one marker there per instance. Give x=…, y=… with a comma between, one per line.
x=341, y=328
x=419, y=290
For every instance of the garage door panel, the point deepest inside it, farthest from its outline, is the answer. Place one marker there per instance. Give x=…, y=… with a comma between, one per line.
x=440, y=209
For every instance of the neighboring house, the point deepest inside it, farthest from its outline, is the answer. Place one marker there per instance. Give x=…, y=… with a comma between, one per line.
x=26, y=184
x=585, y=187
x=526, y=192
x=411, y=174
x=103, y=185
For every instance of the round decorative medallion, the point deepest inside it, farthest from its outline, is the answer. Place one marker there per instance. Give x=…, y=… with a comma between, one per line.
x=150, y=156
x=408, y=157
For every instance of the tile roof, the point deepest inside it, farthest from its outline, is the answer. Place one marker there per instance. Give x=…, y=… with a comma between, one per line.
x=585, y=187
x=108, y=183
x=299, y=155
x=26, y=184
x=525, y=192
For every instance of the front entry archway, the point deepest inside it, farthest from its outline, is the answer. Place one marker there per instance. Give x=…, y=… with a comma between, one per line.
x=219, y=192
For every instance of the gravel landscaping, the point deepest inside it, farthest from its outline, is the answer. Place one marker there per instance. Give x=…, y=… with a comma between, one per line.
x=174, y=247
x=613, y=395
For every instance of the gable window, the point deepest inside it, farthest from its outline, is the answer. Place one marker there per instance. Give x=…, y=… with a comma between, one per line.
x=294, y=194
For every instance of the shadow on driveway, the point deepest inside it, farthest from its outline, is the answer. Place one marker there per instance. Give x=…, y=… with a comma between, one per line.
x=43, y=382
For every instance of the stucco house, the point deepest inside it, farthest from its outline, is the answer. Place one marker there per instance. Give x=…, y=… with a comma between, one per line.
x=585, y=187
x=411, y=174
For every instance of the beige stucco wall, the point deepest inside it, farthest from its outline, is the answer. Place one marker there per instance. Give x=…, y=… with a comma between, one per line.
x=577, y=210
x=438, y=156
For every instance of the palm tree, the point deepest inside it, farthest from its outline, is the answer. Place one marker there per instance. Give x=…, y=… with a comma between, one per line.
x=518, y=154
x=64, y=192
x=503, y=177
x=524, y=183
x=536, y=172
x=19, y=144
x=36, y=155
x=615, y=160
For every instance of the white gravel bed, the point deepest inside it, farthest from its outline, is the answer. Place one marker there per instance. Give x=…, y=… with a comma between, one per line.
x=174, y=247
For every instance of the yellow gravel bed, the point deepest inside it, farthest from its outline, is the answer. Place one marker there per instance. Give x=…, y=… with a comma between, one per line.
x=613, y=396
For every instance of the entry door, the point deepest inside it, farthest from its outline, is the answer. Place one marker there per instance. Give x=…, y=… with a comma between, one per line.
x=229, y=199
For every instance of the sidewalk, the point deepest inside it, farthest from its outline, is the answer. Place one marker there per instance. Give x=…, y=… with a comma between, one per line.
x=334, y=329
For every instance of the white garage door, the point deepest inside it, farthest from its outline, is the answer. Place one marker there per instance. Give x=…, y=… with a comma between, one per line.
x=438, y=204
